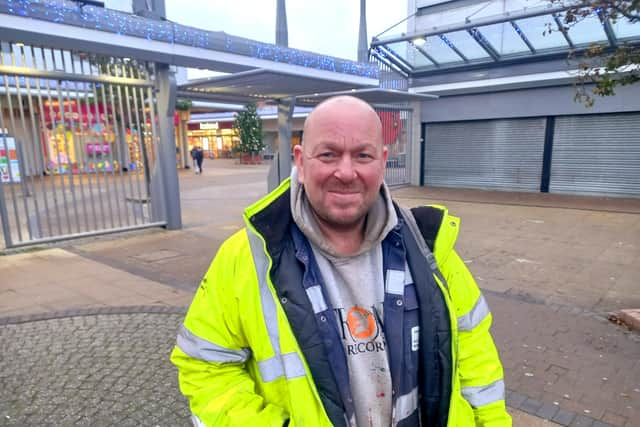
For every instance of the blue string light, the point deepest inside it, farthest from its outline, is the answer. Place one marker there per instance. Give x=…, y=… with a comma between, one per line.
x=112, y=21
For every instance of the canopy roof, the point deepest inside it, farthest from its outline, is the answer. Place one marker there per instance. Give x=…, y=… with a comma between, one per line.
x=267, y=85
x=260, y=85
x=510, y=37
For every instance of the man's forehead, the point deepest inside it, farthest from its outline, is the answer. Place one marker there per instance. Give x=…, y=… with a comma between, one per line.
x=343, y=143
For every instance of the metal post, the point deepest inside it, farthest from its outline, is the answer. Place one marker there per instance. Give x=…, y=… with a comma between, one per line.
x=282, y=32
x=281, y=166
x=363, y=49
x=414, y=148
x=165, y=174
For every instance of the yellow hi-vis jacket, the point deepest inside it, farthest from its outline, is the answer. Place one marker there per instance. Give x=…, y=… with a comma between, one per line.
x=240, y=364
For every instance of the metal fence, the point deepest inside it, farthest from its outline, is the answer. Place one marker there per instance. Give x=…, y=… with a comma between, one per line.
x=77, y=144
x=396, y=126
x=396, y=134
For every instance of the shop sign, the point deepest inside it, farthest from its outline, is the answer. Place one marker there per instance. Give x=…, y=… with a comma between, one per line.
x=209, y=126
x=98, y=149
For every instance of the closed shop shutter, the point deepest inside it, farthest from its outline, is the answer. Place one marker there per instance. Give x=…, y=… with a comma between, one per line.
x=596, y=154
x=494, y=154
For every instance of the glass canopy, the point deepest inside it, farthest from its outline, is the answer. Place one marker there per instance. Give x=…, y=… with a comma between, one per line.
x=528, y=34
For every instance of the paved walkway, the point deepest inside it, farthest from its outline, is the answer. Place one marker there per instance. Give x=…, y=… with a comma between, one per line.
x=86, y=327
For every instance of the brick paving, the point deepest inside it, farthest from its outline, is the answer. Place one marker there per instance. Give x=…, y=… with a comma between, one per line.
x=91, y=371
x=574, y=368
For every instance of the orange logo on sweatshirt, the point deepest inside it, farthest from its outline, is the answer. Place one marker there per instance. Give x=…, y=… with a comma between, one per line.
x=361, y=323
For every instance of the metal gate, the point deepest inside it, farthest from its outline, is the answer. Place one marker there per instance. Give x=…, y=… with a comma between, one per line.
x=396, y=134
x=396, y=126
x=77, y=144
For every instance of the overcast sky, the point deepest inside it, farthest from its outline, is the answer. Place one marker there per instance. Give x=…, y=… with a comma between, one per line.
x=328, y=27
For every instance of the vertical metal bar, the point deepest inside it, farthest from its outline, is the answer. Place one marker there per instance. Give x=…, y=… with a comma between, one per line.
x=103, y=142
x=118, y=178
x=142, y=147
x=66, y=142
x=38, y=146
x=134, y=145
x=6, y=219
x=150, y=144
x=110, y=155
x=30, y=168
x=5, y=79
x=79, y=130
x=57, y=147
x=126, y=156
x=52, y=117
x=96, y=114
x=16, y=142
x=4, y=215
x=92, y=194
x=156, y=142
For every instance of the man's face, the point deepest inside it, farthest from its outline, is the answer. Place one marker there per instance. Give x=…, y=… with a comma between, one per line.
x=342, y=162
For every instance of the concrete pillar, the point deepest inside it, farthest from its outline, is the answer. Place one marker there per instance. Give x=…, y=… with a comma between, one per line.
x=281, y=166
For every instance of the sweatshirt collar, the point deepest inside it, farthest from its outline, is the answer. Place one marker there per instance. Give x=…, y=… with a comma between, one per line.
x=381, y=219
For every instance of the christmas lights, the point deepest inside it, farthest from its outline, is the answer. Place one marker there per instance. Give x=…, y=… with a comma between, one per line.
x=117, y=22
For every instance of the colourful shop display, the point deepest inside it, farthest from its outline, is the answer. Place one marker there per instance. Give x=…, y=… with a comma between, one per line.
x=9, y=165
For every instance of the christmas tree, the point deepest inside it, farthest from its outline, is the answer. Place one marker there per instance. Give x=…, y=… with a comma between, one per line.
x=249, y=128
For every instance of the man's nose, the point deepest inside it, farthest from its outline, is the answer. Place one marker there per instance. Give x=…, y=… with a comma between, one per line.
x=345, y=171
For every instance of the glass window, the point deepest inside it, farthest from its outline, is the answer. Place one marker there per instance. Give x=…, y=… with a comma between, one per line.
x=440, y=51
x=624, y=29
x=586, y=31
x=503, y=38
x=536, y=30
x=466, y=44
x=410, y=54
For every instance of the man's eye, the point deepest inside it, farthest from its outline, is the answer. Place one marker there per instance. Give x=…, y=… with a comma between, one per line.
x=365, y=156
x=327, y=155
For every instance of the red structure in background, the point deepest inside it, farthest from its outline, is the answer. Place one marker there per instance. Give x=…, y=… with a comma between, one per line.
x=391, y=126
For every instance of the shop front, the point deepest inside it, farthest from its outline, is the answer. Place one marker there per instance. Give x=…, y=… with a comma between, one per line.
x=216, y=139
x=78, y=138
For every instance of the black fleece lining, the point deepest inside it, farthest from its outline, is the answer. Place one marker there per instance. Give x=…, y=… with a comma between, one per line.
x=428, y=219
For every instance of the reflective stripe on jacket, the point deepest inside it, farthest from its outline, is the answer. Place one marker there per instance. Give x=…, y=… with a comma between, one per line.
x=240, y=361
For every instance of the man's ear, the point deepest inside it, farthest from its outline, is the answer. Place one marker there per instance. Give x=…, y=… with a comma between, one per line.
x=298, y=159
x=385, y=154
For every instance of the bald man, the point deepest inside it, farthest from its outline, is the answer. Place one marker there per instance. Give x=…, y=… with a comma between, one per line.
x=335, y=306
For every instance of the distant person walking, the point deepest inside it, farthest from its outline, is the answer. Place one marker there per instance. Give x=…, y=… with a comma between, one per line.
x=198, y=157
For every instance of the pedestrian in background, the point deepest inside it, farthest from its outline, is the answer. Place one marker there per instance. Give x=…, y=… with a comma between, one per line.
x=199, y=158
x=335, y=306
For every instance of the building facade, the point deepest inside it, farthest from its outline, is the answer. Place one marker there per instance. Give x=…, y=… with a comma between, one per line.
x=506, y=117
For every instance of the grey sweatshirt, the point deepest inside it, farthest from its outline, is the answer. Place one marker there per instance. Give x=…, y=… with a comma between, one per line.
x=355, y=287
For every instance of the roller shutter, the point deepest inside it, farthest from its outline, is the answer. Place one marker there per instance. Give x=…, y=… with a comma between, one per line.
x=596, y=154
x=495, y=154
